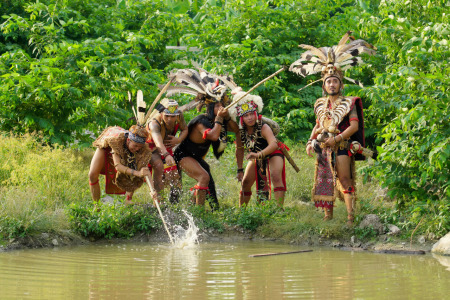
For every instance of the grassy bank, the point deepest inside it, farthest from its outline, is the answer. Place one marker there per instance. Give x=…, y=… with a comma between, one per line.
x=46, y=189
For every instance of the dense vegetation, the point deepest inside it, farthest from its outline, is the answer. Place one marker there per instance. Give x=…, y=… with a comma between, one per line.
x=66, y=67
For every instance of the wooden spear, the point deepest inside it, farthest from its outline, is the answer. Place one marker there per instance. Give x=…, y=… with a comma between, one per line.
x=158, y=98
x=254, y=87
x=152, y=190
x=279, y=253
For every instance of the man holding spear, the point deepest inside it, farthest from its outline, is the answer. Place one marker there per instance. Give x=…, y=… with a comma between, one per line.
x=163, y=125
x=265, y=151
x=338, y=136
x=204, y=130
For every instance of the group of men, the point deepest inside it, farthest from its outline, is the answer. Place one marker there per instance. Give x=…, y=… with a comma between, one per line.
x=152, y=149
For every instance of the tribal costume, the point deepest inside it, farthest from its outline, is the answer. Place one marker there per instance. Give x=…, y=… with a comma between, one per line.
x=255, y=142
x=170, y=108
x=327, y=187
x=198, y=151
x=113, y=140
x=209, y=89
x=122, y=155
x=334, y=116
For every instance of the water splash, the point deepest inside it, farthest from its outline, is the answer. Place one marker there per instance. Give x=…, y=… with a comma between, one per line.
x=186, y=238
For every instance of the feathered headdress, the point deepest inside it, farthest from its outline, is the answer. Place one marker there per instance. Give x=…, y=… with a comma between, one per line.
x=140, y=115
x=332, y=61
x=248, y=103
x=207, y=87
x=168, y=106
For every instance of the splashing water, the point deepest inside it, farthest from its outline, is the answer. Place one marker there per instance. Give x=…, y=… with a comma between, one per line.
x=186, y=238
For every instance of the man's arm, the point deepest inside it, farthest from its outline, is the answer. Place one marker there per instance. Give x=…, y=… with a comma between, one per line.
x=128, y=171
x=266, y=133
x=155, y=130
x=214, y=133
x=309, y=148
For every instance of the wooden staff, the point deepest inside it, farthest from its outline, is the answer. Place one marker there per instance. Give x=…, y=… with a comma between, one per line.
x=309, y=84
x=158, y=97
x=279, y=253
x=289, y=159
x=152, y=190
x=254, y=87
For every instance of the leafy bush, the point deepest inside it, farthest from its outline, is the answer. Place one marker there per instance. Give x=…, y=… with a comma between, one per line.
x=410, y=105
x=109, y=221
x=66, y=65
x=252, y=216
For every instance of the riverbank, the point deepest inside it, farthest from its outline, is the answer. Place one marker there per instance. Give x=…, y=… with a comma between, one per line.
x=68, y=238
x=45, y=202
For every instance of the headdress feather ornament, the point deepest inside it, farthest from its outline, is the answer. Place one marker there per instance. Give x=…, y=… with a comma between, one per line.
x=332, y=61
x=249, y=103
x=140, y=115
x=206, y=86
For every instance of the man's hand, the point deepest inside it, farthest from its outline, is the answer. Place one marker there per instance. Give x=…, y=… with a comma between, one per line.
x=144, y=172
x=169, y=160
x=253, y=155
x=240, y=176
x=222, y=112
x=171, y=141
x=330, y=142
x=309, y=150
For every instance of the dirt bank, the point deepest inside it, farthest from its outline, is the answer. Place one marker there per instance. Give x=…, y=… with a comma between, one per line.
x=67, y=238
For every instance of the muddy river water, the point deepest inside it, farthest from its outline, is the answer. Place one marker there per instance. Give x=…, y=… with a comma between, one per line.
x=218, y=271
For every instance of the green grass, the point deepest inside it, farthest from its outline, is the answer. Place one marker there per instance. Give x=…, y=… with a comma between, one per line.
x=46, y=189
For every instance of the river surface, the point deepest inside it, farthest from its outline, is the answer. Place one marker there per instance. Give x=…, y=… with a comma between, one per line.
x=218, y=271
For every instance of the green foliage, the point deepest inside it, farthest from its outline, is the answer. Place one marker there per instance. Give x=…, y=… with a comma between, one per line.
x=410, y=105
x=24, y=211
x=56, y=173
x=366, y=233
x=252, y=216
x=12, y=228
x=205, y=219
x=66, y=66
x=109, y=221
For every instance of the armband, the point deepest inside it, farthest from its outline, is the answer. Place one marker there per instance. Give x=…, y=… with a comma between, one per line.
x=205, y=133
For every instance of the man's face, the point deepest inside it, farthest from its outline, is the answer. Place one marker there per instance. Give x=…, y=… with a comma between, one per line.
x=134, y=147
x=169, y=120
x=249, y=118
x=332, y=86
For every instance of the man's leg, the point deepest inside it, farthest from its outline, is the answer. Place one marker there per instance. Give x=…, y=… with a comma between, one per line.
x=158, y=171
x=343, y=168
x=276, y=164
x=194, y=170
x=247, y=182
x=173, y=179
x=97, y=164
x=212, y=197
x=128, y=198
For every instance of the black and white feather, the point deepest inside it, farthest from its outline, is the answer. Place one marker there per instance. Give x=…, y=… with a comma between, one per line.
x=198, y=82
x=343, y=56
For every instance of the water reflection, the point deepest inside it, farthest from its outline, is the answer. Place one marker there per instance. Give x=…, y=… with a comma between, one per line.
x=218, y=271
x=443, y=260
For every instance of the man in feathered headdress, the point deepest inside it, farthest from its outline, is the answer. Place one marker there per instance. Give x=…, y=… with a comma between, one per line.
x=163, y=125
x=204, y=130
x=122, y=156
x=338, y=136
x=265, y=152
